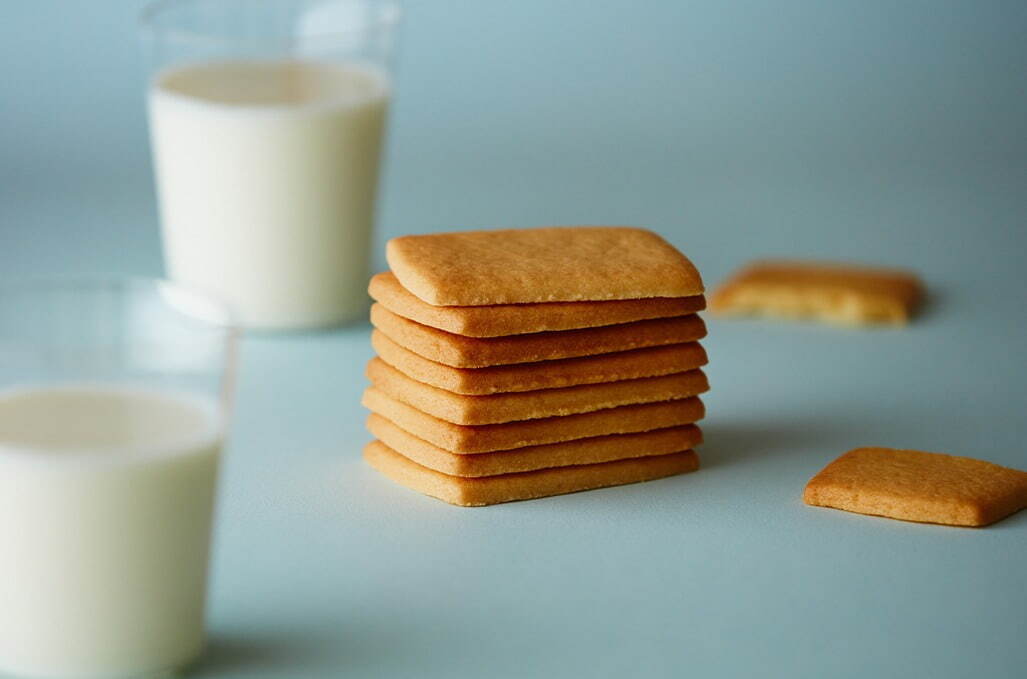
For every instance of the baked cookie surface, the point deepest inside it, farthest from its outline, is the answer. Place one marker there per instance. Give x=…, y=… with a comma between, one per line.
x=550, y=264
x=568, y=453
x=466, y=439
x=837, y=293
x=532, y=405
x=490, y=490
x=474, y=352
x=518, y=319
x=919, y=486
x=567, y=372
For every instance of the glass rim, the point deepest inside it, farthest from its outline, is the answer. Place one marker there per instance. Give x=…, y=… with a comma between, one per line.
x=147, y=24
x=213, y=311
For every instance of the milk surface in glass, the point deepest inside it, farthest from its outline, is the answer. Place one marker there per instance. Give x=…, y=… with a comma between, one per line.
x=267, y=173
x=106, y=497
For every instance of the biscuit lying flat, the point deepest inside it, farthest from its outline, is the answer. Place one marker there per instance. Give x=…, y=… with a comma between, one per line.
x=487, y=438
x=473, y=352
x=492, y=490
x=518, y=319
x=532, y=405
x=919, y=486
x=553, y=264
x=567, y=372
x=582, y=451
x=837, y=293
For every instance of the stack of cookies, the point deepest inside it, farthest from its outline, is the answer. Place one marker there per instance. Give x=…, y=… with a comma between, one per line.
x=525, y=363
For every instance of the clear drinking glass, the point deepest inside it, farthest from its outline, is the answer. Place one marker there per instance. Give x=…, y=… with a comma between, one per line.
x=114, y=402
x=266, y=125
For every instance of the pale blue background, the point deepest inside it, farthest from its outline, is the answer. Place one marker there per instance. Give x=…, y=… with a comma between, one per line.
x=887, y=131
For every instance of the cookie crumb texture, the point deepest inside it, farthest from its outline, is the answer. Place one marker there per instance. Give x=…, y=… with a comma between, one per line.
x=914, y=485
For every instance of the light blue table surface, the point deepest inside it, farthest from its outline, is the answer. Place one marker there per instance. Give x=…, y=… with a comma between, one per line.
x=880, y=131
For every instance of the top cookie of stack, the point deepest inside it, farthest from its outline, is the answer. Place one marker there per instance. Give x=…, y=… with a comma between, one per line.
x=521, y=363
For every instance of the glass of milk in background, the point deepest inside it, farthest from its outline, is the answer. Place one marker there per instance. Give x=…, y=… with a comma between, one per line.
x=266, y=122
x=114, y=397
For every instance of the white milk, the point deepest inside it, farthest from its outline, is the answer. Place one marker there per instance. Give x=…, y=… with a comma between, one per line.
x=106, y=497
x=267, y=172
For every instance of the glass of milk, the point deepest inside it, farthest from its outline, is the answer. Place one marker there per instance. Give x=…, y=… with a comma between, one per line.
x=114, y=397
x=266, y=122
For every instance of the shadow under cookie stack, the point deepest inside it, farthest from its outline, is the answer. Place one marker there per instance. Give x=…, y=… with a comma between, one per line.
x=525, y=363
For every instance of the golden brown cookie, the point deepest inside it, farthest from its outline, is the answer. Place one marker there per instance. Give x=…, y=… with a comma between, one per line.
x=532, y=405
x=582, y=451
x=837, y=293
x=476, y=352
x=490, y=490
x=567, y=372
x=518, y=319
x=552, y=264
x=917, y=486
x=486, y=438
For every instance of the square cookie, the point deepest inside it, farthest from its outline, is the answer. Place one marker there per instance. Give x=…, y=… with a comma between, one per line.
x=531, y=405
x=492, y=490
x=832, y=292
x=517, y=319
x=913, y=485
x=551, y=264
x=568, y=453
x=567, y=372
x=487, y=438
x=481, y=352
